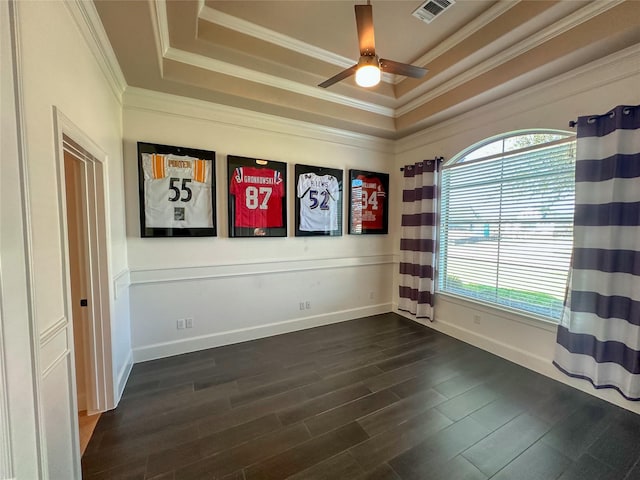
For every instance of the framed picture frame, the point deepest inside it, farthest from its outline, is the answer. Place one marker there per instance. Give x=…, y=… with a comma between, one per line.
x=318, y=201
x=368, y=208
x=257, y=197
x=177, y=191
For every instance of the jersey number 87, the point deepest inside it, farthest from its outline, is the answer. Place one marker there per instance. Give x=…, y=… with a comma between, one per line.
x=253, y=195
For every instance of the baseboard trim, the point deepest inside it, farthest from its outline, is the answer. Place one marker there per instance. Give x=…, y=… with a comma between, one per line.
x=526, y=359
x=123, y=376
x=167, y=349
x=521, y=357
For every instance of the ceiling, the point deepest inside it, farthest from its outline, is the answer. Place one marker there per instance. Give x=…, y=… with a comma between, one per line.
x=269, y=56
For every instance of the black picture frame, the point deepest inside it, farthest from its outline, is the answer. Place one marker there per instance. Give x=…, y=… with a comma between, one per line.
x=316, y=193
x=372, y=217
x=257, y=197
x=188, y=209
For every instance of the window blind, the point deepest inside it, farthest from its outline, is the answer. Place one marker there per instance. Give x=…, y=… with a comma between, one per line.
x=506, y=228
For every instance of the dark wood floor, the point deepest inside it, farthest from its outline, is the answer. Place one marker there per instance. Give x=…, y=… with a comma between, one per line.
x=376, y=398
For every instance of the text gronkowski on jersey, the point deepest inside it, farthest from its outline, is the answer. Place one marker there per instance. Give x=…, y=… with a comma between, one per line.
x=258, y=197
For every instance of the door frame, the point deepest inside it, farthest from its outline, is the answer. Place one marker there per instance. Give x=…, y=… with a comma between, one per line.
x=100, y=384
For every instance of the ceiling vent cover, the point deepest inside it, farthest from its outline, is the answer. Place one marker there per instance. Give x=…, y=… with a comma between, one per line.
x=431, y=9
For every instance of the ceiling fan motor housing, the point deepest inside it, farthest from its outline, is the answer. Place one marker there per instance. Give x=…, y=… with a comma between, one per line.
x=369, y=60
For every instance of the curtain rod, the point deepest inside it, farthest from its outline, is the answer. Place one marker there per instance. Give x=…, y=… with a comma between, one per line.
x=435, y=159
x=626, y=109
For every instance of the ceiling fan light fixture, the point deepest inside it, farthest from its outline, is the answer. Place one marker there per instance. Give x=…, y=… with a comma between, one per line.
x=368, y=76
x=368, y=73
x=369, y=68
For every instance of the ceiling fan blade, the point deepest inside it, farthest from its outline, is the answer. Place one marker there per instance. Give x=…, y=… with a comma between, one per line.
x=364, y=23
x=341, y=76
x=398, y=68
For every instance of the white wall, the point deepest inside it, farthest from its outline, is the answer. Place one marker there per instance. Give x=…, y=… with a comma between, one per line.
x=236, y=289
x=60, y=68
x=592, y=89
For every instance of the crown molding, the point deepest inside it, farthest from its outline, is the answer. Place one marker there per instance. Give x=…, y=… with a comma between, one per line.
x=147, y=100
x=462, y=34
x=585, y=14
x=160, y=25
x=225, y=68
x=266, y=35
x=88, y=21
x=261, y=33
x=598, y=73
x=166, y=51
x=465, y=32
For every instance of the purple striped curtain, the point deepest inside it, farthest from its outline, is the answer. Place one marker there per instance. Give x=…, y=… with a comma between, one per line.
x=418, y=238
x=599, y=334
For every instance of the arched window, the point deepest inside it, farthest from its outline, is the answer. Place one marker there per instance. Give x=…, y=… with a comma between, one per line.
x=506, y=225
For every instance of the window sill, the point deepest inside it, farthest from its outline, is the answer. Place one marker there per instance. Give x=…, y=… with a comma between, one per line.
x=502, y=312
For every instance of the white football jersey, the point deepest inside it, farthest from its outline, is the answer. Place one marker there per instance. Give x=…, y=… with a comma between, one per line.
x=319, y=195
x=177, y=191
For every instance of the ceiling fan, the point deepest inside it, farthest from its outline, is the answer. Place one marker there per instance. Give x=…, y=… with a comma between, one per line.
x=368, y=68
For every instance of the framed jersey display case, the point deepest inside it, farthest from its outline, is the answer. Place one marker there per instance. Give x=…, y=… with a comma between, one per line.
x=177, y=190
x=257, y=197
x=318, y=201
x=368, y=210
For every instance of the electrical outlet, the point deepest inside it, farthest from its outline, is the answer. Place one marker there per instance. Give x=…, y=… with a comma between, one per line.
x=188, y=322
x=476, y=319
x=180, y=324
x=301, y=305
x=371, y=295
x=307, y=305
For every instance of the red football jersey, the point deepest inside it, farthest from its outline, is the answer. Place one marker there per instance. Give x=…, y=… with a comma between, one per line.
x=259, y=193
x=373, y=202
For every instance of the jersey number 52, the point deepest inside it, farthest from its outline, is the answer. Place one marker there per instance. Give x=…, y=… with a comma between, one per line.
x=324, y=203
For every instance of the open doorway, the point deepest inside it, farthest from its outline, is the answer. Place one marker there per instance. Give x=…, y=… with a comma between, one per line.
x=81, y=172
x=79, y=276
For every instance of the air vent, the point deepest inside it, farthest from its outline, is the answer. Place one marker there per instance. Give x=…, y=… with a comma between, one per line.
x=431, y=9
